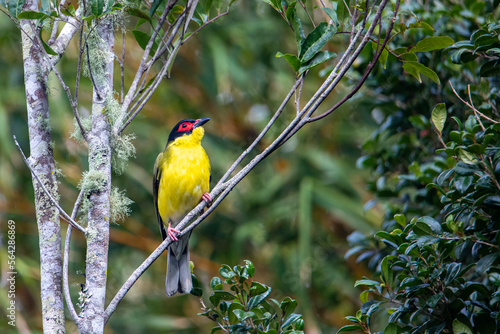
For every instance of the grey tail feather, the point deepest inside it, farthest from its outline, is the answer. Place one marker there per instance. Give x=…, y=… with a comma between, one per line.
x=178, y=272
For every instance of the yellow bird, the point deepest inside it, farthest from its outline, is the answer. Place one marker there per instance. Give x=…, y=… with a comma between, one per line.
x=181, y=180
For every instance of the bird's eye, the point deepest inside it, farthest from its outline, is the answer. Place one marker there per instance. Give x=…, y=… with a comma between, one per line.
x=184, y=125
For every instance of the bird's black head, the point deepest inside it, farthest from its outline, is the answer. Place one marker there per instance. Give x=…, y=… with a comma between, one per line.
x=185, y=127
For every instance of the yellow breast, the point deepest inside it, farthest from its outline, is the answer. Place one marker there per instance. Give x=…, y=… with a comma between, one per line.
x=185, y=177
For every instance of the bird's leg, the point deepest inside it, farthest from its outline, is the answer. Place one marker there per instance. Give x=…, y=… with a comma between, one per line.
x=172, y=232
x=207, y=199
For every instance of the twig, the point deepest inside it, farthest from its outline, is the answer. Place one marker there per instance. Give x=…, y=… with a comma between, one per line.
x=204, y=25
x=470, y=105
x=61, y=211
x=122, y=66
x=67, y=294
x=308, y=15
x=368, y=70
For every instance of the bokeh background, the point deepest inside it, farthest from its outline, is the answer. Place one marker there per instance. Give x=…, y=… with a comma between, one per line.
x=291, y=216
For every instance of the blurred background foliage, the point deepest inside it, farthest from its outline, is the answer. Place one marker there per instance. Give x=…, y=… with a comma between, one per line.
x=291, y=216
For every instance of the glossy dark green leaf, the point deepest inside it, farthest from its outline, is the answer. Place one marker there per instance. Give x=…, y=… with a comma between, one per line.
x=433, y=224
x=319, y=58
x=415, y=69
x=291, y=59
x=433, y=43
x=226, y=271
x=32, y=15
x=138, y=13
x=290, y=320
x=490, y=68
x=154, y=7
x=97, y=7
x=349, y=328
x=219, y=295
x=216, y=283
x=316, y=40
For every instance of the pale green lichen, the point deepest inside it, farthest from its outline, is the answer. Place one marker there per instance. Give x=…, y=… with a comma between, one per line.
x=98, y=57
x=119, y=205
x=122, y=146
x=92, y=181
x=123, y=150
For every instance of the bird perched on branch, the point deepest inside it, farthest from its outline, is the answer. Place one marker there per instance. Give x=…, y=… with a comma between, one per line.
x=181, y=180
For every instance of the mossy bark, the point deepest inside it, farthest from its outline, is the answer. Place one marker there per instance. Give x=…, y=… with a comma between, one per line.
x=99, y=161
x=42, y=161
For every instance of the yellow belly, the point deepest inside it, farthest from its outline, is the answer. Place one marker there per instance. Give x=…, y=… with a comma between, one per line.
x=185, y=176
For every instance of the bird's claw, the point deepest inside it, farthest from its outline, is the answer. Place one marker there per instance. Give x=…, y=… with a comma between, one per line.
x=207, y=199
x=172, y=233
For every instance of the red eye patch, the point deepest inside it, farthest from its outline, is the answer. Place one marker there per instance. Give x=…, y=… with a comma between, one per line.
x=185, y=126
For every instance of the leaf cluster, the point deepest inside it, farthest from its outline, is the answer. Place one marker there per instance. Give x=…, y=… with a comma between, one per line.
x=435, y=260
x=246, y=306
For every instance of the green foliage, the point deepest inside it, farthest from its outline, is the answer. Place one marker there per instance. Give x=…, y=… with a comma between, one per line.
x=246, y=306
x=436, y=261
x=309, y=48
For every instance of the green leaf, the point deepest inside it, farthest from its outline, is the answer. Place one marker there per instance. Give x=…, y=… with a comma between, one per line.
x=250, y=267
x=47, y=48
x=400, y=219
x=367, y=282
x=387, y=272
x=349, y=328
x=154, y=7
x=316, y=40
x=291, y=59
x=415, y=69
x=332, y=14
x=138, y=13
x=242, y=315
x=439, y=116
x=342, y=10
x=256, y=300
x=15, y=6
x=288, y=305
x=434, y=225
x=290, y=320
x=467, y=157
x=319, y=58
x=143, y=39
x=97, y=7
x=433, y=43
x=219, y=295
x=490, y=68
x=226, y=271
x=460, y=328
x=216, y=283
x=32, y=15
x=391, y=328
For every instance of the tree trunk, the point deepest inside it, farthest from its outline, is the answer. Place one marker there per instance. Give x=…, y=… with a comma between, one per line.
x=99, y=140
x=42, y=160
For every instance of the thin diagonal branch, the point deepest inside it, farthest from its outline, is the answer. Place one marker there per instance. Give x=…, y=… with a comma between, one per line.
x=61, y=211
x=67, y=242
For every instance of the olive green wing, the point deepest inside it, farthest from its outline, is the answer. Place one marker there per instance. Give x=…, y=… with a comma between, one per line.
x=156, y=184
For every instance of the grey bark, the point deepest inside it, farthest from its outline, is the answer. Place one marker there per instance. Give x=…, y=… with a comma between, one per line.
x=42, y=161
x=99, y=140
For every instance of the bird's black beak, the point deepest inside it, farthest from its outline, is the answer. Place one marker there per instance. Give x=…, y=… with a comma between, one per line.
x=200, y=122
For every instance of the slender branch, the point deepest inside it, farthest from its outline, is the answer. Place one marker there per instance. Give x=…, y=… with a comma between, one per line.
x=122, y=66
x=368, y=70
x=470, y=105
x=223, y=188
x=142, y=69
x=67, y=242
x=204, y=25
x=62, y=212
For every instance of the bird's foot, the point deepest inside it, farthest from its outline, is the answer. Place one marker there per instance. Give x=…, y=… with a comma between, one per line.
x=172, y=233
x=207, y=199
